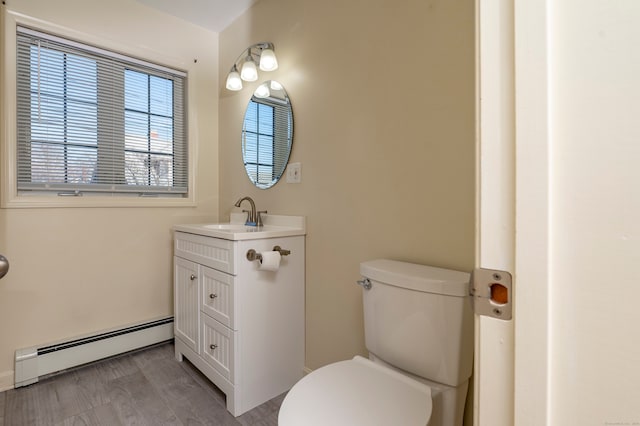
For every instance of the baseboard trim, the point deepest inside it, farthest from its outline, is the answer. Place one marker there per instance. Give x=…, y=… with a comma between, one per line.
x=6, y=380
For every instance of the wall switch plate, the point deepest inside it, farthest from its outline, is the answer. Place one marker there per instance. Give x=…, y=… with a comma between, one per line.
x=294, y=173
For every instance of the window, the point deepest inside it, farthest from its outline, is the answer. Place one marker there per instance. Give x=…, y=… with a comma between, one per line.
x=94, y=121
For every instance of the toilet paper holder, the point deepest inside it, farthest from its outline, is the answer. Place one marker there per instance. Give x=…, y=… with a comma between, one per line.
x=254, y=255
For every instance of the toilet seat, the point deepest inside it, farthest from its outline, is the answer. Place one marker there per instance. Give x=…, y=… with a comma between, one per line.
x=356, y=392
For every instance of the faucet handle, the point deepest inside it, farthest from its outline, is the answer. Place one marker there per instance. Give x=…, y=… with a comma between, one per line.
x=259, y=218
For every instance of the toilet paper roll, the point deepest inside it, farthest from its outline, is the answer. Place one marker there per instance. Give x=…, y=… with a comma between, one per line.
x=270, y=261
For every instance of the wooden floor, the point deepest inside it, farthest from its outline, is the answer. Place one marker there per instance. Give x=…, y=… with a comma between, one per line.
x=148, y=387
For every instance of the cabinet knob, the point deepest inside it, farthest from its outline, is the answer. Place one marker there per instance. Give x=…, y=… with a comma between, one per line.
x=212, y=347
x=213, y=296
x=193, y=277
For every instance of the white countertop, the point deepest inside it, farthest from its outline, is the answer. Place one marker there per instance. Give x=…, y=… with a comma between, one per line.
x=236, y=230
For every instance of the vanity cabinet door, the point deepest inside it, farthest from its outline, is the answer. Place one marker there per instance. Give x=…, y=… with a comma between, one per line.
x=186, y=303
x=217, y=296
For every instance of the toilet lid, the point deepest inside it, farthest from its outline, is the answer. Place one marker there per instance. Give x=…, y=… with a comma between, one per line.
x=356, y=392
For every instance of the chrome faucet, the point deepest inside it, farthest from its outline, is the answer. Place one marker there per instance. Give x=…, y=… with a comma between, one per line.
x=254, y=218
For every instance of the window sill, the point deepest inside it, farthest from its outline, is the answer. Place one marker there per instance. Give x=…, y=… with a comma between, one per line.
x=31, y=202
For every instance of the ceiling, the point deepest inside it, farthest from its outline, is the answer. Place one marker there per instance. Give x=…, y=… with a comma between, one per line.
x=213, y=15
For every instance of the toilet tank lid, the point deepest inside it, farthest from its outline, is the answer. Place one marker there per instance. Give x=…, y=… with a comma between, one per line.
x=428, y=279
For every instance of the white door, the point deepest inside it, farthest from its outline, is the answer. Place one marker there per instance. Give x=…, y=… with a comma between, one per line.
x=511, y=360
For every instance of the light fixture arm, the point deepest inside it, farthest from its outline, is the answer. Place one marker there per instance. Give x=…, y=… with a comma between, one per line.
x=259, y=53
x=255, y=50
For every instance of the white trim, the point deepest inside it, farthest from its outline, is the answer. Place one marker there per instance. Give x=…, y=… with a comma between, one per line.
x=6, y=380
x=52, y=201
x=8, y=185
x=9, y=197
x=533, y=261
x=495, y=204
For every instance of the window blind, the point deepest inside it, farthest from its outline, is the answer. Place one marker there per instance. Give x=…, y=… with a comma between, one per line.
x=94, y=121
x=266, y=139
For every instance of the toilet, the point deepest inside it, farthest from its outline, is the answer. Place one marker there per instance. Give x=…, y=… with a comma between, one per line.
x=419, y=333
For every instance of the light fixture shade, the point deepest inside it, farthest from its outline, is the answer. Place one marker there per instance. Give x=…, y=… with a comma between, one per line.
x=234, y=82
x=268, y=61
x=249, y=71
x=262, y=91
x=275, y=85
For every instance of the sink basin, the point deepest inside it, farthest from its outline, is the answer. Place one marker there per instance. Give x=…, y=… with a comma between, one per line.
x=274, y=226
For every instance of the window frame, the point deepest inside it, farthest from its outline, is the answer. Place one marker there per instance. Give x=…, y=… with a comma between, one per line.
x=10, y=197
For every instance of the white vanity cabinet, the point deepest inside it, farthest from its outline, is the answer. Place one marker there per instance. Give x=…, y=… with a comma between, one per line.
x=243, y=327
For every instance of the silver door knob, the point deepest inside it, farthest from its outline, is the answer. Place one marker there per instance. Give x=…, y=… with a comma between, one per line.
x=212, y=347
x=213, y=296
x=4, y=266
x=192, y=277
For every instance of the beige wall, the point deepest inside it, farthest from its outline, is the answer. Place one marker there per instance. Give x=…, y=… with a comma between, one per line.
x=80, y=270
x=383, y=101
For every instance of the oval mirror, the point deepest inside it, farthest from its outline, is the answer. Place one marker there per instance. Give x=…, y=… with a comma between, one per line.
x=267, y=134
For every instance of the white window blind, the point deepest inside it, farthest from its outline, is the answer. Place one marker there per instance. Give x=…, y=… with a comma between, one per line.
x=94, y=121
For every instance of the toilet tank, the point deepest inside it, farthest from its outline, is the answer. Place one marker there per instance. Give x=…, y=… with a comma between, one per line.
x=419, y=318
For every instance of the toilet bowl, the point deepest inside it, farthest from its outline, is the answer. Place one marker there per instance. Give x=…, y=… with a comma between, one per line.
x=356, y=392
x=419, y=332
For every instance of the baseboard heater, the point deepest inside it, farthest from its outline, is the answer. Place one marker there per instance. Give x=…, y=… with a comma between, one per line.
x=35, y=362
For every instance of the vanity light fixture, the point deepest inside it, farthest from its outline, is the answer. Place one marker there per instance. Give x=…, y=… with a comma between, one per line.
x=268, y=61
x=261, y=53
x=249, y=72
x=234, y=82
